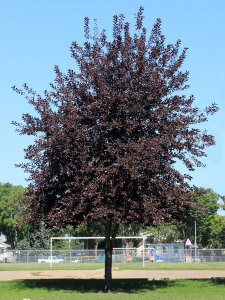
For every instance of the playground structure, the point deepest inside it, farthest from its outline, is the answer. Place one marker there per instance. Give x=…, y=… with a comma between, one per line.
x=174, y=252
x=168, y=252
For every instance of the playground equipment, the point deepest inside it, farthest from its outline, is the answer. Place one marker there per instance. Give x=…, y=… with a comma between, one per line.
x=143, y=237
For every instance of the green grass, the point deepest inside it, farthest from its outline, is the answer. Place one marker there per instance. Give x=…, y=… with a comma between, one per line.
x=173, y=266
x=125, y=266
x=46, y=266
x=138, y=289
x=125, y=289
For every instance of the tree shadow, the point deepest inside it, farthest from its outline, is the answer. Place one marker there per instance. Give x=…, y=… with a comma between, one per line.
x=218, y=281
x=212, y=281
x=97, y=285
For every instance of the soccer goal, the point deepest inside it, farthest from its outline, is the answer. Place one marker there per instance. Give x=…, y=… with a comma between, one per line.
x=142, y=253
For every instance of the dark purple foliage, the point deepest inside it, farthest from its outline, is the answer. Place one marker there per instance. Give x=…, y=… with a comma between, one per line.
x=108, y=136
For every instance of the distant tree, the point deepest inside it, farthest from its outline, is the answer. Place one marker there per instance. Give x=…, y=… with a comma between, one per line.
x=39, y=238
x=10, y=198
x=98, y=229
x=163, y=233
x=36, y=238
x=68, y=231
x=108, y=137
x=216, y=232
x=205, y=207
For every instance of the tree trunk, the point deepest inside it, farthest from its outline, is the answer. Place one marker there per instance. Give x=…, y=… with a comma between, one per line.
x=108, y=257
x=110, y=234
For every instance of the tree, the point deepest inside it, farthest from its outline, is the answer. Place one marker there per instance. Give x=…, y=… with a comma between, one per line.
x=205, y=207
x=163, y=233
x=216, y=231
x=36, y=238
x=10, y=198
x=108, y=136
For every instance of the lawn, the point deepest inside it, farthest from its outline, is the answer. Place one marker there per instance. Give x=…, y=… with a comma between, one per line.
x=126, y=289
x=68, y=289
x=121, y=266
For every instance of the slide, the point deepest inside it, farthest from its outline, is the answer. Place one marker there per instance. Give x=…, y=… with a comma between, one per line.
x=159, y=257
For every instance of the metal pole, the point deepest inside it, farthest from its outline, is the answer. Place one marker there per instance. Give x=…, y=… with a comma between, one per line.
x=51, y=251
x=195, y=242
x=143, y=253
x=70, y=250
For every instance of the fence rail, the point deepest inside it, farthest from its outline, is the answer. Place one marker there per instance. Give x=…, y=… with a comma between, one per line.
x=120, y=255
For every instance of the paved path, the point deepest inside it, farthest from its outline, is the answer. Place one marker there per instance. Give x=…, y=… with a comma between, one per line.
x=98, y=274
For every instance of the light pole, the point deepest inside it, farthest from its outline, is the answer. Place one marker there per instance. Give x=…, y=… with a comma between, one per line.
x=195, y=241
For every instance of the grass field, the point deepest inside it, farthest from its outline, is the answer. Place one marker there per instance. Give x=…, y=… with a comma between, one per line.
x=122, y=266
x=125, y=289
x=68, y=289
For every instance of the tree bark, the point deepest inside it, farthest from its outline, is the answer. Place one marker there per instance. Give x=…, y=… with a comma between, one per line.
x=110, y=234
x=108, y=257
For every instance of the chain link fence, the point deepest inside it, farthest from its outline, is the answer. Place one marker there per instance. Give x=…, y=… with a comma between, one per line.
x=120, y=255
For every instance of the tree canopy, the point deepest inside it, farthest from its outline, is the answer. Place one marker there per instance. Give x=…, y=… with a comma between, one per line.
x=204, y=213
x=108, y=136
x=10, y=198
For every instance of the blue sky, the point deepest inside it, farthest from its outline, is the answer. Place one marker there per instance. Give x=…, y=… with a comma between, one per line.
x=36, y=35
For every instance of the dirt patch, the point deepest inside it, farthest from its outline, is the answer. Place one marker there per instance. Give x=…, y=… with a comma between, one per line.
x=117, y=274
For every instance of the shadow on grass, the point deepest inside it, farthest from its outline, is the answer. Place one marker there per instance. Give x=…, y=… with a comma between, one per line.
x=96, y=285
x=218, y=281
x=211, y=281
